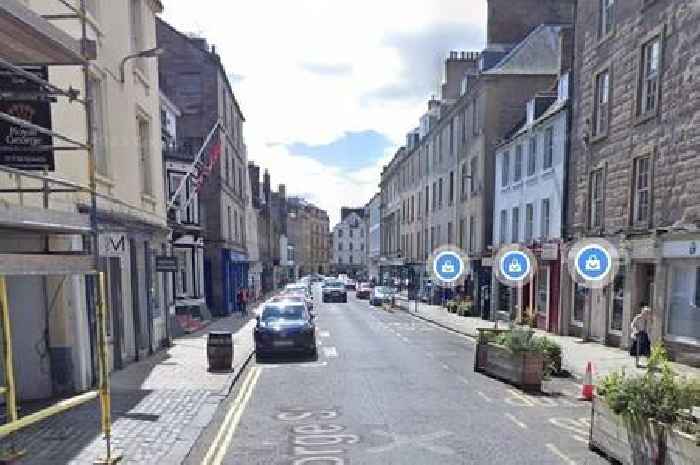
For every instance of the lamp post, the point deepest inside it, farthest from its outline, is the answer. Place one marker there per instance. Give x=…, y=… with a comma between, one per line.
x=150, y=53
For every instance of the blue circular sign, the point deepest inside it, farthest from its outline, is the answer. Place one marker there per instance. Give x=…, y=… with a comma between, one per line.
x=515, y=265
x=593, y=262
x=448, y=266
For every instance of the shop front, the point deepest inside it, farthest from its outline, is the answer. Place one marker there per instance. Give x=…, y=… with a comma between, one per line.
x=234, y=277
x=544, y=299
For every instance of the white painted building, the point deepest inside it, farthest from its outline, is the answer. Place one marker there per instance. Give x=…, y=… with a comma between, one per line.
x=528, y=202
x=350, y=242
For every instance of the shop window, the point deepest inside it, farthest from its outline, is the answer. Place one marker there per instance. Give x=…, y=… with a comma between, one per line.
x=543, y=291
x=683, y=319
x=579, y=309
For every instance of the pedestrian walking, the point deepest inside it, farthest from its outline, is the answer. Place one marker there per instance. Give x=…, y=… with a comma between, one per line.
x=242, y=301
x=640, y=334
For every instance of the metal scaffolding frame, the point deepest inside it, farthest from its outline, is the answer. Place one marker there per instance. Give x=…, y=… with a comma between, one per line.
x=14, y=421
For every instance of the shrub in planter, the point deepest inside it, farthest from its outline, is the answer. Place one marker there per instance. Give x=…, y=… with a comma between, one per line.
x=451, y=306
x=552, y=355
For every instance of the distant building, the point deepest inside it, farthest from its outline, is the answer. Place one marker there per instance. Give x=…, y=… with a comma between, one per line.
x=350, y=242
x=373, y=226
x=308, y=228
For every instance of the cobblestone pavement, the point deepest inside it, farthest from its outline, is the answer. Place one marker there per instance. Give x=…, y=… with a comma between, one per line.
x=575, y=353
x=160, y=406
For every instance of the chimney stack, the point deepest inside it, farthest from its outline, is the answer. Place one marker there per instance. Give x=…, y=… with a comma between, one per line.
x=266, y=187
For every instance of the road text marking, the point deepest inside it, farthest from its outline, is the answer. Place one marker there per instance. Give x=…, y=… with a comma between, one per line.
x=330, y=352
x=560, y=454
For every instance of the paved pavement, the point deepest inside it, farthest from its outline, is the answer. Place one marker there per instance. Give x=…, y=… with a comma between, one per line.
x=388, y=388
x=160, y=406
x=575, y=352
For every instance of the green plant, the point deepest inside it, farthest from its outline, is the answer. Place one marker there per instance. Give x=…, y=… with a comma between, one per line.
x=552, y=355
x=658, y=356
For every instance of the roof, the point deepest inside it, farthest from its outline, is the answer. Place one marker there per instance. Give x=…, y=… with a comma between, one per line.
x=538, y=53
x=523, y=128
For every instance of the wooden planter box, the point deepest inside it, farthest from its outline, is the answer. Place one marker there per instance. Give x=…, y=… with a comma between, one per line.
x=524, y=369
x=639, y=442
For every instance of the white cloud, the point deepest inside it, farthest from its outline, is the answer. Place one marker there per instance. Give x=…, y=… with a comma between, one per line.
x=269, y=42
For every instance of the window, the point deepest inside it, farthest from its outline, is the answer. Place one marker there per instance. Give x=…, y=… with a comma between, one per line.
x=235, y=224
x=503, y=227
x=548, y=148
x=230, y=228
x=427, y=242
x=145, y=155
x=515, y=225
x=340, y=246
x=505, y=169
x=518, y=164
x=95, y=96
x=451, y=199
x=413, y=208
x=452, y=137
x=137, y=32
x=617, y=303
x=434, y=195
x=579, y=304
x=601, y=104
x=228, y=164
x=472, y=233
x=475, y=117
x=683, y=318
x=461, y=233
x=532, y=157
x=529, y=220
x=420, y=203
x=649, y=95
x=241, y=181
x=465, y=176
x=350, y=260
x=440, y=193
x=450, y=232
x=340, y=233
x=427, y=200
x=432, y=237
x=545, y=219
x=474, y=173
x=641, y=191
x=596, y=189
x=350, y=247
x=464, y=126
x=606, y=17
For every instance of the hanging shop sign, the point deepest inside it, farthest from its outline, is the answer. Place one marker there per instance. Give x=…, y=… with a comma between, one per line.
x=21, y=147
x=166, y=263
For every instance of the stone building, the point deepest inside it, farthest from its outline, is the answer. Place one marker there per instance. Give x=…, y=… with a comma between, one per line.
x=53, y=335
x=373, y=227
x=308, y=228
x=349, y=243
x=438, y=189
x=634, y=168
x=193, y=77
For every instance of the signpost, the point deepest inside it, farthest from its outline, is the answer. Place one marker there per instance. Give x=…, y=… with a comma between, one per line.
x=21, y=147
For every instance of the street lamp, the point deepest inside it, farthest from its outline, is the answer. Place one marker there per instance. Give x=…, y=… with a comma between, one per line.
x=150, y=53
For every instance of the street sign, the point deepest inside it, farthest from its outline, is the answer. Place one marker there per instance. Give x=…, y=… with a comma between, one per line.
x=22, y=99
x=166, y=263
x=112, y=244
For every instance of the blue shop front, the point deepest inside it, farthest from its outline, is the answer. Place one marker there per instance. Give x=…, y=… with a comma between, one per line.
x=234, y=277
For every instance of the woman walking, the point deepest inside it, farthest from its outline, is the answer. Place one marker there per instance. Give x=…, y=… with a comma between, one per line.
x=640, y=334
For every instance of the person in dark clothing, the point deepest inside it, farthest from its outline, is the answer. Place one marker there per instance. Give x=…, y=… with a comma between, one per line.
x=641, y=345
x=242, y=300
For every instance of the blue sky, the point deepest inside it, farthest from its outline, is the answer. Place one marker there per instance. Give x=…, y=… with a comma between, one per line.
x=330, y=88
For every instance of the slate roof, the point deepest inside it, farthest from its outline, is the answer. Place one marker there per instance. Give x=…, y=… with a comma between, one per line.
x=537, y=54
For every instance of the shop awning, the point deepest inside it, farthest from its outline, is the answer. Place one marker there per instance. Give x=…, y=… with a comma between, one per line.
x=27, y=38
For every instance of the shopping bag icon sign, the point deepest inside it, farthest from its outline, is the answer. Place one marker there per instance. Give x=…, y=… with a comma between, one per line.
x=593, y=263
x=448, y=267
x=515, y=267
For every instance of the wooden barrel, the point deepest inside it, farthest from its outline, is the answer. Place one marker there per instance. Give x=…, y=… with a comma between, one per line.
x=220, y=350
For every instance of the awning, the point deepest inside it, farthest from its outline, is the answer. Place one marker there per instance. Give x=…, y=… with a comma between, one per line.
x=27, y=38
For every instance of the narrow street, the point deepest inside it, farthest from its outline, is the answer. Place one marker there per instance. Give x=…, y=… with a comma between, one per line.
x=389, y=388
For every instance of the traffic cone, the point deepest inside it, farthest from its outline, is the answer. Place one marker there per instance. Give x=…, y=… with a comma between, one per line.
x=587, y=387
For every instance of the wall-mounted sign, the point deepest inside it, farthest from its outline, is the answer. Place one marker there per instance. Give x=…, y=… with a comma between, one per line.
x=21, y=98
x=112, y=244
x=166, y=263
x=550, y=251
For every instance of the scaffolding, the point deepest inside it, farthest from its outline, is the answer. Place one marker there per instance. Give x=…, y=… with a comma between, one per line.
x=56, y=263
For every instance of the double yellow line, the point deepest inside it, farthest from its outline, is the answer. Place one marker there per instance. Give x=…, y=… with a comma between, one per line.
x=222, y=441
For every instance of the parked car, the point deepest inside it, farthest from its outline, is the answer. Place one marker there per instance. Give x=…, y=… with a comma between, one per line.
x=300, y=288
x=381, y=295
x=350, y=284
x=285, y=326
x=363, y=291
x=334, y=291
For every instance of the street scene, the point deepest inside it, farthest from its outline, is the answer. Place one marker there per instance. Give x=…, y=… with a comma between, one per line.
x=326, y=232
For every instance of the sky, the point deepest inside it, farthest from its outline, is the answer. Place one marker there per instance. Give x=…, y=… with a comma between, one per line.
x=329, y=88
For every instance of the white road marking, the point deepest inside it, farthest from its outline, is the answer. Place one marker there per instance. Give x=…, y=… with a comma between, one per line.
x=330, y=352
x=484, y=396
x=324, y=334
x=445, y=366
x=421, y=441
x=404, y=338
x=560, y=454
x=516, y=421
x=463, y=379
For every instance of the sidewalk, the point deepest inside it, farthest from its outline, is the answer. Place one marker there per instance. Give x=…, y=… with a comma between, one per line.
x=159, y=406
x=575, y=353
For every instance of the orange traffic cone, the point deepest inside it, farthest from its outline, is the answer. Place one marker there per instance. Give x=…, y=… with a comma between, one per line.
x=587, y=387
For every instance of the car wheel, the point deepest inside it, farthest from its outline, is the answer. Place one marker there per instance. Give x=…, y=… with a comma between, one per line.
x=345, y=300
x=313, y=354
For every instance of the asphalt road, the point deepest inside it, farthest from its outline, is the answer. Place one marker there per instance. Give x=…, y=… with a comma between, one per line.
x=388, y=388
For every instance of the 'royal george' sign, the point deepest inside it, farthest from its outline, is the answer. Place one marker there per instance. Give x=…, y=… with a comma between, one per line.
x=20, y=98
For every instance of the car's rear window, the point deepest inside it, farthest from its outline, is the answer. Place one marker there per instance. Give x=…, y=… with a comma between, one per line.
x=335, y=284
x=286, y=312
